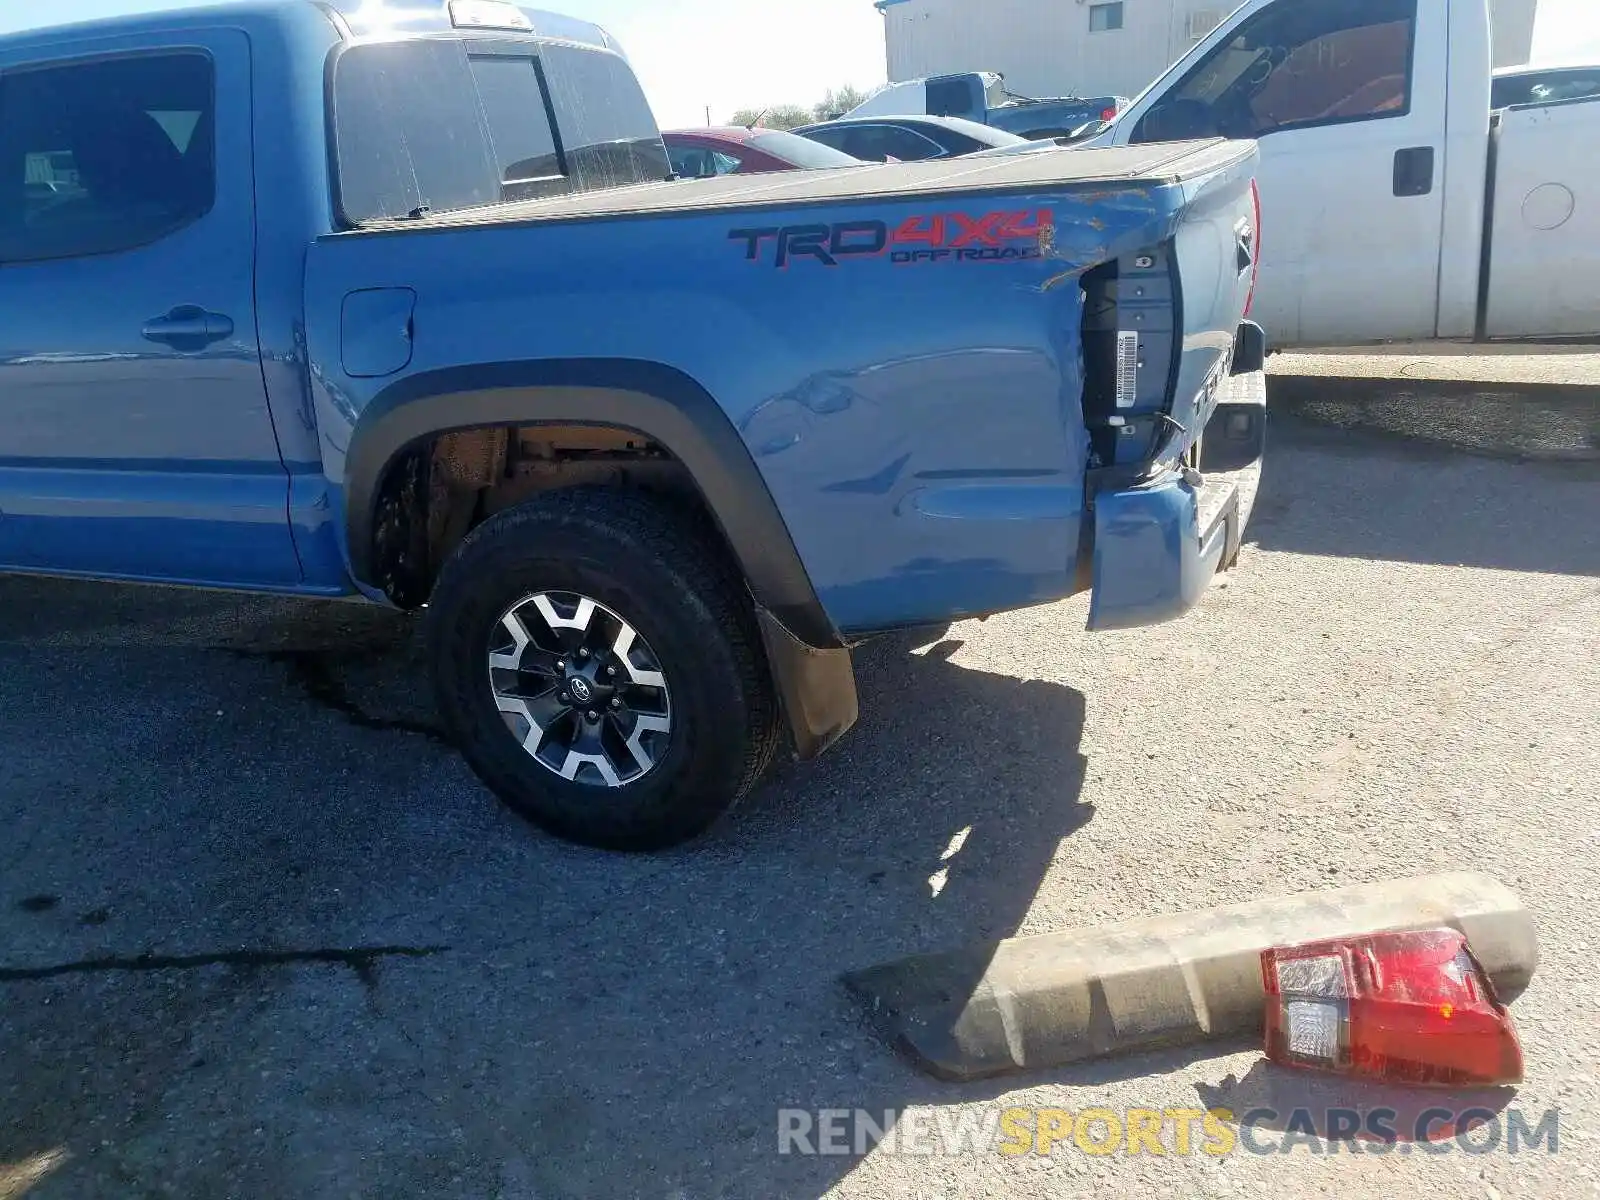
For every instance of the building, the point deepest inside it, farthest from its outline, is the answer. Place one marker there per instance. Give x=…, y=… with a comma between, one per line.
x=1087, y=47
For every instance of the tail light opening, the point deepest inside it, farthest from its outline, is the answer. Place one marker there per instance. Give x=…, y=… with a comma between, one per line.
x=1255, y=265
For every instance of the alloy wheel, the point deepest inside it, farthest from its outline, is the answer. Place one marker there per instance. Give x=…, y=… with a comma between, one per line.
x=580, y=689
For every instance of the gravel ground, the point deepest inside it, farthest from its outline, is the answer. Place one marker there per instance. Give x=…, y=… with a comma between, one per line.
x=1400, y=364
x=369, y=980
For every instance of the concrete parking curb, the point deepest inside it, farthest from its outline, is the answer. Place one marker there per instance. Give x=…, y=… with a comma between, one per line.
x=1046, y=1001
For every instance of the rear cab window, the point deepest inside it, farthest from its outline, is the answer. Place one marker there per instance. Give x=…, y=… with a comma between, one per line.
x=604, y=120
x=1549, y=88
x=949, y=98
x=440, y=125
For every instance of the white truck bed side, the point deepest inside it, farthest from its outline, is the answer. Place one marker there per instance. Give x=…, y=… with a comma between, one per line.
x=1544, y=272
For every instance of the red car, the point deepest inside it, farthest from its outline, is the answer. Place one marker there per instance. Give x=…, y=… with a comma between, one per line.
x=735, y=150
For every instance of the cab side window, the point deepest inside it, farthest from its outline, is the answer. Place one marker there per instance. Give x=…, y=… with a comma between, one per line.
x=104, y=156
x=688, y=162
x=699, y=162
x=1295, y=66
x=910, y=147
x=836, y=138
x=879, y=143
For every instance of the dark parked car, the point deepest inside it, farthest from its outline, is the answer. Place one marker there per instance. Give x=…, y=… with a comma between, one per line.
x=1544, y=85
x=908, y=139
x=703, y=153
x=982, y=96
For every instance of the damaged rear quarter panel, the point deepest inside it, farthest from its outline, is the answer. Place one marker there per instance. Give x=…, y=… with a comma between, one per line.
x=916, y=417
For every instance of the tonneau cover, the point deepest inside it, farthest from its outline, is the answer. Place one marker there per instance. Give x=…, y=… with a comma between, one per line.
x=1160, y=163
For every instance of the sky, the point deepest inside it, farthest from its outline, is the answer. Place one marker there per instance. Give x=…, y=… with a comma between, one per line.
x=730, y=54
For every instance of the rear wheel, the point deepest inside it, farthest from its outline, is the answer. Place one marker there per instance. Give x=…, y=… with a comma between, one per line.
x=596, y=658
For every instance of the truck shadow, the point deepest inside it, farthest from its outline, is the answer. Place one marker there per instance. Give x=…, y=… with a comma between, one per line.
x=522, y=993
x=1434, y=472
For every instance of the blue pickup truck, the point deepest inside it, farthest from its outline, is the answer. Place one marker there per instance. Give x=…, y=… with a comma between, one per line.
x=400, y=304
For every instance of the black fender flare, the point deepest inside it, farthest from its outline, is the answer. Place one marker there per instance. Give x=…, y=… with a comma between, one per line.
x=810, y=663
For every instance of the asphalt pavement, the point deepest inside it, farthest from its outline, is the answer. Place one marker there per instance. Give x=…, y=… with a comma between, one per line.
x=263, y=935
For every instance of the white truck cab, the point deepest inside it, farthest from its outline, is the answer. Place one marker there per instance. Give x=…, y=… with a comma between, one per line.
x=1396, y=207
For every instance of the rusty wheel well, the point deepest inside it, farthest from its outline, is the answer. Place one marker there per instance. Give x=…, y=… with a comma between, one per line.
x=436, y=492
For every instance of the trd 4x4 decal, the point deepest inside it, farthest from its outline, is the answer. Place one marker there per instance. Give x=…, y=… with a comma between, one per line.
x=947, y=237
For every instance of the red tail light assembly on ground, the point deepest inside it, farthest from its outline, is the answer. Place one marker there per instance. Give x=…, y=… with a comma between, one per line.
x=1400, y=1007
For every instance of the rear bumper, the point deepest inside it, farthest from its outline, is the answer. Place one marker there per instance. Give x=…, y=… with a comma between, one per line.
x=1158, y=545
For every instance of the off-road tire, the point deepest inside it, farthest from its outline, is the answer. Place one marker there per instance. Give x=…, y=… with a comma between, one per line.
x=668, y=575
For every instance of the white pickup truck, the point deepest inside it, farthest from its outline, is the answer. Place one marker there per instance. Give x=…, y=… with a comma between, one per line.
x=1398, y=207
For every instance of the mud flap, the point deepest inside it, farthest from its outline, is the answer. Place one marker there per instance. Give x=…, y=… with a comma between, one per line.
x=817, y=688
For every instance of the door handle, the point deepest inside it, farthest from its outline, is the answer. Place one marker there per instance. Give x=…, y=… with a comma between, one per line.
x=188, y=327
x=1413, y=171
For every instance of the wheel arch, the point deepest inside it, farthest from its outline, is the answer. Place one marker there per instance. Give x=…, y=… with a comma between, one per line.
x=650, y=399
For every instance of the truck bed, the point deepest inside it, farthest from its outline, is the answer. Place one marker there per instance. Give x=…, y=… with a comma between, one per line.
x=1542, y=266
x=1169, y=163
x=941, y=376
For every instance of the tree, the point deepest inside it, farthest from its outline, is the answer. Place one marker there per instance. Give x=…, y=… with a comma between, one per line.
x=791, y=116
x=783, y=116
x=837, y=103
